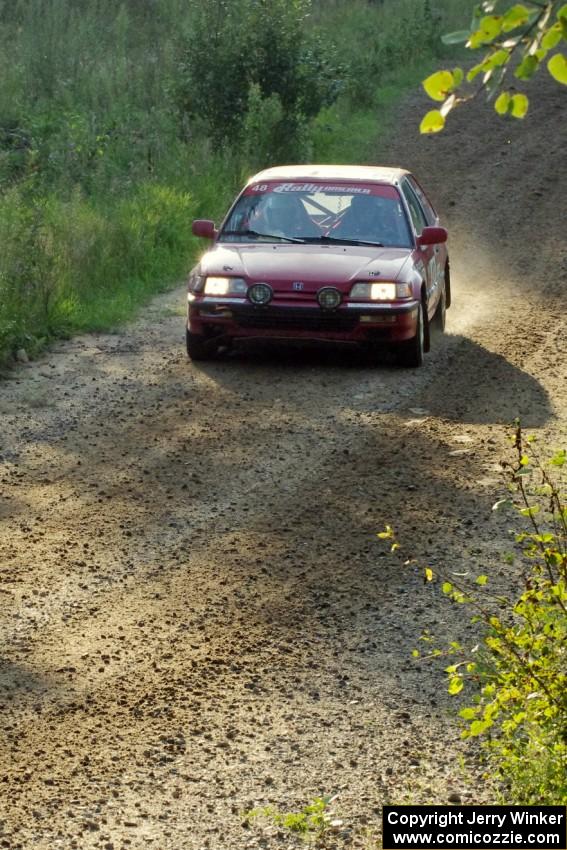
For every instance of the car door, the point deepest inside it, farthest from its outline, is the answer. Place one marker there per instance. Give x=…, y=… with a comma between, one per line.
x=429, y=260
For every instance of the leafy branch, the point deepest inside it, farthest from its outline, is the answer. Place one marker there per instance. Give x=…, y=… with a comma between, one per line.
x=517, y=40
x=519, y=666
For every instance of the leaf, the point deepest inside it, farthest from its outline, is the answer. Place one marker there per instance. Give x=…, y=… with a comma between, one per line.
x=560, y=458
x=562, y=13
x=517, y=16
x=552, y=37
x=446, y=587
x=544, y=538
x=492, y=80
x=531, y=511
x=456, y=685
x=415, y=653
x=490, y=28
x=496, y=59
x=458, y=37
x=524, y=460
x=501, y=105
x=458, y=76
x=428, y=574
x=475, y=71
x=433, y=122
x=439, y=85
x=557, y=67
x=481, y=580
x=527, y=68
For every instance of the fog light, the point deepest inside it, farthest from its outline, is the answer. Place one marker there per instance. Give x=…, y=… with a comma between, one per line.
x=260, y=293
x=329, y=298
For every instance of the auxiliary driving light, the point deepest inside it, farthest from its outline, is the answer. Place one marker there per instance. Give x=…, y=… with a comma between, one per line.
x=329, y=298
x=260, y=293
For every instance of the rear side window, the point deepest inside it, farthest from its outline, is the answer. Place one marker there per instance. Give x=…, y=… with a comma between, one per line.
x=430, y=213
x=417, y=215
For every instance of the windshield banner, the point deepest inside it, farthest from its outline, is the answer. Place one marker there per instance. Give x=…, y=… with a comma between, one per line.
x=323, y=188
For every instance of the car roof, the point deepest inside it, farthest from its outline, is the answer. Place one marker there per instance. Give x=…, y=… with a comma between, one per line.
x=351, y=173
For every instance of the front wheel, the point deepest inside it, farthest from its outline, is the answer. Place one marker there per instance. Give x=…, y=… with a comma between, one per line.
x=413, y=350
x=198, y=347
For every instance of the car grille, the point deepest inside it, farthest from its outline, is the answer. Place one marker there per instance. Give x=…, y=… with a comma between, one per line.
x=295, y=319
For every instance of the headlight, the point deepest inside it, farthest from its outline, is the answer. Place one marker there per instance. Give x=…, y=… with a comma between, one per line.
x=380, y=291
x=260, y=293
x=225, y=286
x=329, y=298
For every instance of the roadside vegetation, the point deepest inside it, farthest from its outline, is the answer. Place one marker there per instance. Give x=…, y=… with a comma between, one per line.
x=516, y=675
x=119, y=123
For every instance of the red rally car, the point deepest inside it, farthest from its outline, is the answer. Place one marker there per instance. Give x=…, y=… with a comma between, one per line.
x=343, y=254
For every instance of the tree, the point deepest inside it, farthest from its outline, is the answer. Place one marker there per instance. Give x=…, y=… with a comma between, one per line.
x=517, y=41
x=258, y=54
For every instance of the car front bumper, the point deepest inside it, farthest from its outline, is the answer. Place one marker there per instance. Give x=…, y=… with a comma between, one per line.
x=236, y=318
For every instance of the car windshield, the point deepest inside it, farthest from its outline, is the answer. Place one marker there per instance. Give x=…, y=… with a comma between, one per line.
x=360, y=214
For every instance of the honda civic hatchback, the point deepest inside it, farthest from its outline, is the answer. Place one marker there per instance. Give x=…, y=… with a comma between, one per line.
x=339, y=254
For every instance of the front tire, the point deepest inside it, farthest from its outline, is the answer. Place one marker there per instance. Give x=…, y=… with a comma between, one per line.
x=198, y=348
x=413, y=350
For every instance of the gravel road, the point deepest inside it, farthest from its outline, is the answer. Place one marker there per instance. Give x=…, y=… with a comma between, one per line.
x=196, y=617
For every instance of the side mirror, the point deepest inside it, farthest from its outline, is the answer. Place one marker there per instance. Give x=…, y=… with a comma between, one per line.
x=204, y=228
x=432, y=236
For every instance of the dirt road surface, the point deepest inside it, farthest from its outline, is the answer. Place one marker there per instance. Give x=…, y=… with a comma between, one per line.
x=196, y=616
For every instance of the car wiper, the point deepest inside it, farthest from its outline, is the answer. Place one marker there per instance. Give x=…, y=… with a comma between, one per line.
x=257, y=233
x=336, y=240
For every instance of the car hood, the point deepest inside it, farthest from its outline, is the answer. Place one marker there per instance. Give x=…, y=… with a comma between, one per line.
x=312, y=265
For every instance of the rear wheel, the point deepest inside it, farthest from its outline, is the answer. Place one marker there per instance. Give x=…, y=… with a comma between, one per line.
x=414, y=349
x=441, y=312
x=198, y=347
x=447, y=285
